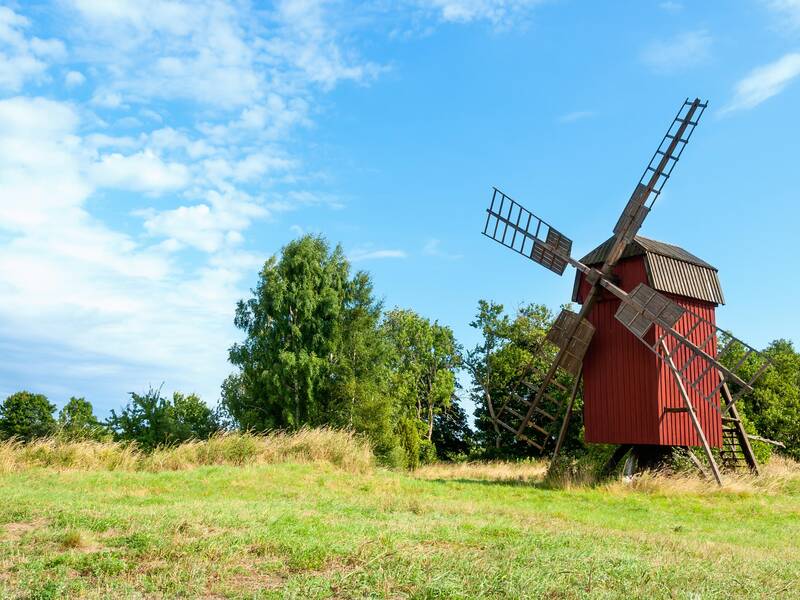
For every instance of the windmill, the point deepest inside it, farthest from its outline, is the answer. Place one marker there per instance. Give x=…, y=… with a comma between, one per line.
x=644, y=344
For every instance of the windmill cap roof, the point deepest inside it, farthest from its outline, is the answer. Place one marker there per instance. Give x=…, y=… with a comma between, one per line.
x=642, y=245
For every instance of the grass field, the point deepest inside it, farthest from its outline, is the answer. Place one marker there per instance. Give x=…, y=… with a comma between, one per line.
x=283, y=528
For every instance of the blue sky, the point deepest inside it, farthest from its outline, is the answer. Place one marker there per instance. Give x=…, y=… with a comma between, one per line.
x=153, y=153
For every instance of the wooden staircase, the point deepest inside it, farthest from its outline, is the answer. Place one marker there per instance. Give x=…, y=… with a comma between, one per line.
x=736, y=454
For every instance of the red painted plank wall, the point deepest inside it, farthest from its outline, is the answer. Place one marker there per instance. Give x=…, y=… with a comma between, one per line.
x=626, y=388
x=620, y=373
x=675, y=429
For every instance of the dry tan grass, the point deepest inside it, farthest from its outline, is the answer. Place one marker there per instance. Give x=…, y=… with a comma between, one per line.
x=341, y=448
x=527, y=471
x=775, y=477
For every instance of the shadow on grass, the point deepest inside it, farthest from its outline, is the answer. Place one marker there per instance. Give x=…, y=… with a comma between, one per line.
x=542, y=485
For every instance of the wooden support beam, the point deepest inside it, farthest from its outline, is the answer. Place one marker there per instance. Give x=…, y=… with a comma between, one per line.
x=696, y=462
x=567, y=415
x=692, y=415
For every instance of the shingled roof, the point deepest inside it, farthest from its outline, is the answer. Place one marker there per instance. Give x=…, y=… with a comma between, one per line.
x=669, y=269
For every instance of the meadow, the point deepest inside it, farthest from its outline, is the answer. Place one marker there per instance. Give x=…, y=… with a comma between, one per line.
x=310, y=515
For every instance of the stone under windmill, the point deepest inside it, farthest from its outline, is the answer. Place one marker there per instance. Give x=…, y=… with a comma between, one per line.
x=645, y=343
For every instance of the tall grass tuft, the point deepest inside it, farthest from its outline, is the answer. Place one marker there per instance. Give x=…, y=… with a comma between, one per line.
x=340, y=448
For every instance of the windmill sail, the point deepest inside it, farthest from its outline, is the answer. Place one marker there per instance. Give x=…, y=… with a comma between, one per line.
x=512, y=225
x=655, y=176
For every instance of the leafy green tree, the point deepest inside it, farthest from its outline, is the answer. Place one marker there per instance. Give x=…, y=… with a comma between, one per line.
x=452, y=435
x=152, y=420
x=423, y=361
x=76, y=420
x=293, y=328
x=192, y=418
x=513, y=349
x=146, y=419
x=313, y=353
x=26, y=416
x=774, y=405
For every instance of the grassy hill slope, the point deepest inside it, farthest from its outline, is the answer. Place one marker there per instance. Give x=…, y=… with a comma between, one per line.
x=312, y=530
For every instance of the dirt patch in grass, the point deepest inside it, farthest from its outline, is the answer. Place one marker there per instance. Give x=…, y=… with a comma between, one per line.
x=17, y=530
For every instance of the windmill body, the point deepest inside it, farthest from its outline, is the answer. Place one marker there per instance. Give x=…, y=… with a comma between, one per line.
x=629, y=396
x=656, y=370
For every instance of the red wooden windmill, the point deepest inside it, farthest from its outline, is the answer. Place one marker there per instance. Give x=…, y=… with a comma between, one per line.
x=645, y=343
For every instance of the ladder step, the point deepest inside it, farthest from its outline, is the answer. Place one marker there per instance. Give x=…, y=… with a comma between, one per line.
x=544, y=413
x=521, y=436
x=672, y=137
x=731, y=420
x=521, y=417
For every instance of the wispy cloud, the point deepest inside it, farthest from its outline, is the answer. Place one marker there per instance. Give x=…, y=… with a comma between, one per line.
x=23, y=58
x=763, y=83
x=787, y=10
x=577, y=115
x=685, y=50
x=433, y=247
x=362, y=254
x=671, y=7
x=500, y=13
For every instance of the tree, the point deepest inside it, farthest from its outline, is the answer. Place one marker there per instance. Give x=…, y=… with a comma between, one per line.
x=513, y=349
x=145, y=420
x=423, y=361
x=452, y=435
x=774, y=405
x=192, y=418
x=26, y=416
x=313, y=353
x=152, y=420
x=76, y=420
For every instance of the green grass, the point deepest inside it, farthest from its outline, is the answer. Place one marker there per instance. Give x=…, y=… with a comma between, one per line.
x=320, y=531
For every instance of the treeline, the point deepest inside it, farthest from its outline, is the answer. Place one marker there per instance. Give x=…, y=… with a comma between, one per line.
x=320, y=350
x=149, y=419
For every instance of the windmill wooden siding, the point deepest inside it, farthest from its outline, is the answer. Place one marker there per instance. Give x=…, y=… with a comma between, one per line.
x=627, y=390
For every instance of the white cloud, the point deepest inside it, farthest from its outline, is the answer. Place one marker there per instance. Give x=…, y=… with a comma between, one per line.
x=209, y=226
x=671, y=7
x=497, y=12
x=577, y=115
x=74, y=79
x=142, y=172
x=21, y=58
x=68, y=279
x=361, y=254
x=685, y=50
x=433, y=247
x=107, y=99
x=789, y=11
x=764, y=83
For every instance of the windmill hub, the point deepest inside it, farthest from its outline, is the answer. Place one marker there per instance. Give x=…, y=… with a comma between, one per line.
x=645, y=345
